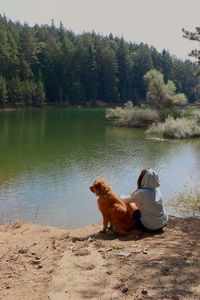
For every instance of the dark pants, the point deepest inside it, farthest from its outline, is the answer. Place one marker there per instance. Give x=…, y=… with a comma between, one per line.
x=137, y=216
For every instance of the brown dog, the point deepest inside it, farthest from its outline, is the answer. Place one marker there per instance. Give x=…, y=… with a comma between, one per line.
x=114, y=211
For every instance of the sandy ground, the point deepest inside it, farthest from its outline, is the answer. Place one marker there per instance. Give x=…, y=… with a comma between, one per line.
x=40, y=262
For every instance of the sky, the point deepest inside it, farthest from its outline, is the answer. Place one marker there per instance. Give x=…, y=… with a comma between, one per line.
x=158, y=23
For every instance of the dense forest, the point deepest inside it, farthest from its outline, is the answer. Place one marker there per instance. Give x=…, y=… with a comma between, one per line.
x=49, y=64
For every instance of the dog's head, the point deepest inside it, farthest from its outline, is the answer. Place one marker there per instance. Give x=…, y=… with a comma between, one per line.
x=100, y=187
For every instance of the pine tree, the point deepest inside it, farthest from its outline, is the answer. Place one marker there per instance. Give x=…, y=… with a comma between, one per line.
x=3, y=91
x=15, y=92
x=4, y=48
x=39, y=94
x=108, y=76
x=166, y=65
x=91, y=85
x=124, y=67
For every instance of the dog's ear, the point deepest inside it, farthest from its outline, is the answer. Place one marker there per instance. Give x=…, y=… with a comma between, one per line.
x=102, y=188
x=98, y=186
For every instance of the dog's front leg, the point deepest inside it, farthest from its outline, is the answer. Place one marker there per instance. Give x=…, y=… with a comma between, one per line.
x=110, y=227
x=105, y=225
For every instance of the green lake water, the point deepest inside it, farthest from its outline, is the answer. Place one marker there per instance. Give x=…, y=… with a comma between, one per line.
x=50, y=158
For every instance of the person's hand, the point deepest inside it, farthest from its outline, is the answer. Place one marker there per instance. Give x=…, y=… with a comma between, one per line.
x=132, y=194
x=122, y=197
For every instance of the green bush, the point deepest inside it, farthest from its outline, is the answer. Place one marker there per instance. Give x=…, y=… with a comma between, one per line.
x=175, y=128
x=196, y=116
x=191, y=113
x=187, y=113
x=131, y=116
x=175, y=112
x=187, y=202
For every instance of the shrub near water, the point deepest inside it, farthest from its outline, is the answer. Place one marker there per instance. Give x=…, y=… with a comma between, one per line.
x=179, y=128
x=191, y=113
x=187, y=202
x=196, y=115
x=131, y=116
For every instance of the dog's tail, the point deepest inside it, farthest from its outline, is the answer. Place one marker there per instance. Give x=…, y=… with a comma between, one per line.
x=131, y=208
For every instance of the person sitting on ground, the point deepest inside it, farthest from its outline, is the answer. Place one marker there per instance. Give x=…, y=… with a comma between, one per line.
x=151, y=215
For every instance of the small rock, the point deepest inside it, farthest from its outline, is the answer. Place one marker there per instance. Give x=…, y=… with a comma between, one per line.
x=82, y=252
x=109, y=272
x=166, y=269
x=125, y=288
x=36, y=261
x=39, y=266
x=137, y=251
x=108, y=249
x=37, y=257
x=23, y=250
x=50, y=270
x=101, y=249
x=71, y=248
x=118, y=247
x=125, y=254
x=144, y=292
x=79, y=239
x=13, y=257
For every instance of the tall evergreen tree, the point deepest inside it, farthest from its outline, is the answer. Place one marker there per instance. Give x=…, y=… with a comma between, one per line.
x=15, y=92
x=39, y=95
x=167, y=64
x=108, y=76
x=4, y=48
x=142, y=64
x=124, y=67
x=3, y=92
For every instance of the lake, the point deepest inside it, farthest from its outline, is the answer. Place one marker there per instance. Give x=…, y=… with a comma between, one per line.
x=50, y=158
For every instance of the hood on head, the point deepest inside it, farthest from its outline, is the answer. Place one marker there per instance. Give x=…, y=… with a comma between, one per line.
x=150, y=180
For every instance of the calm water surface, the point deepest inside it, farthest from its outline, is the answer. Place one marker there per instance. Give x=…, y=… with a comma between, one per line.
x=50, y=158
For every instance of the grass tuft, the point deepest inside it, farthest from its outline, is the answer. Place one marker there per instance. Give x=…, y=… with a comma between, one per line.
x=187, y=202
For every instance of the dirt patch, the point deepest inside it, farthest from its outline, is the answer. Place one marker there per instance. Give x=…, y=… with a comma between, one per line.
x=40, y=262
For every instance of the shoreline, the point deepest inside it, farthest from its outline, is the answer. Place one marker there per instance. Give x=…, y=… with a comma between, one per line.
x=44, y=262
x=62, y=106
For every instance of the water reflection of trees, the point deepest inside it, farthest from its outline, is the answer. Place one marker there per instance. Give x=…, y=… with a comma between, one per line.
x=20, y=132
x=32, y=139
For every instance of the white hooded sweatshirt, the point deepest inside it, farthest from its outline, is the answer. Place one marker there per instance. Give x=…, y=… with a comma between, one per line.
x=149, y=200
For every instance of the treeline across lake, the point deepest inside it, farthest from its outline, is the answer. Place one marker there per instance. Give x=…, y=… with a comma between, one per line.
x=49, y=64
